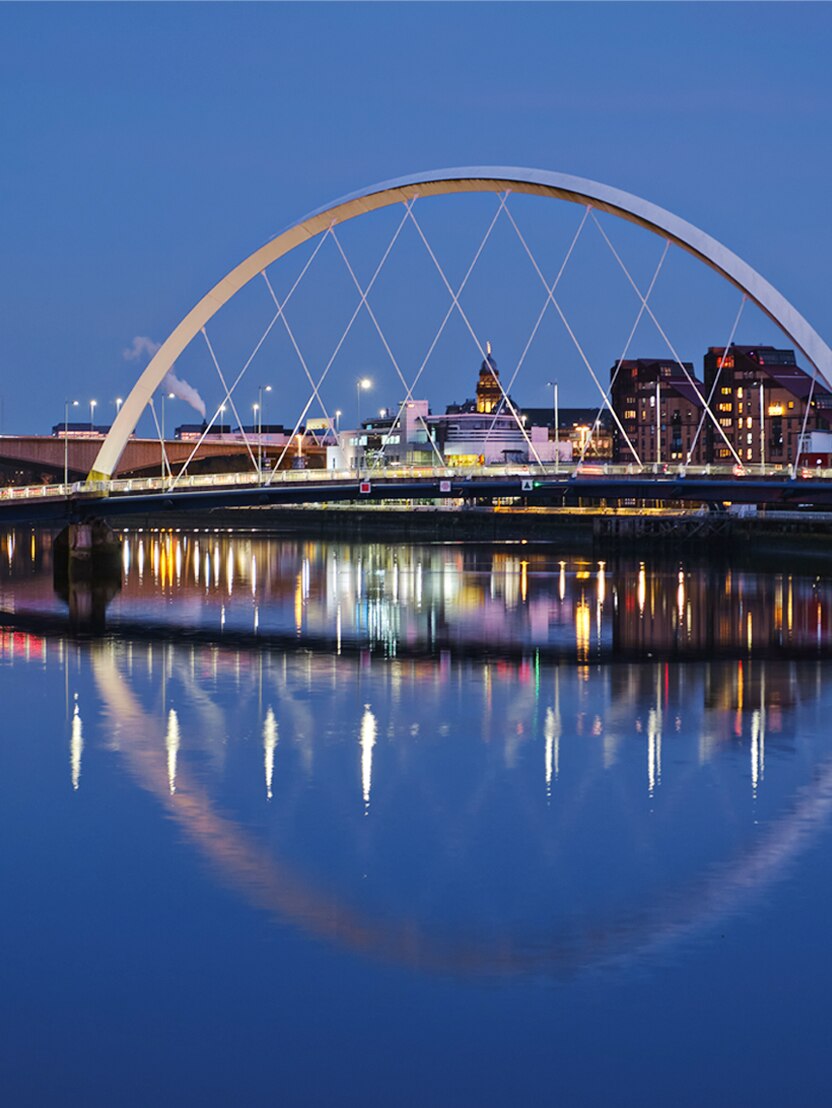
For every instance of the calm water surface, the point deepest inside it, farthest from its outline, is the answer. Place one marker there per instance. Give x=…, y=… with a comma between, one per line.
x=306, y=823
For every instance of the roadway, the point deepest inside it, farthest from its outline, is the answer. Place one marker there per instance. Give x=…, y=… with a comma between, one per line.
x=536, y=486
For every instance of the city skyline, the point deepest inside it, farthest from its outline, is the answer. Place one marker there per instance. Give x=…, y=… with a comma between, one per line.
x=68, y=321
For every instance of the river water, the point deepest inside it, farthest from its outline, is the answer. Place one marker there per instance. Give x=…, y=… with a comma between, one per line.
x=328, y=823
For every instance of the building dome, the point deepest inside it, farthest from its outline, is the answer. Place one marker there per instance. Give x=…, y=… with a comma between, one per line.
x=489, y=390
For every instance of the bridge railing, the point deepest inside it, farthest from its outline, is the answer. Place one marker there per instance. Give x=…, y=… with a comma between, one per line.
x=563, y=472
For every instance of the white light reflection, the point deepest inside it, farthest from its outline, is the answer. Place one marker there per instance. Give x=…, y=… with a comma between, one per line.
x=76, y=745
x=551, y=731
x=270, y=738
x=172, y=747
x=368, y=741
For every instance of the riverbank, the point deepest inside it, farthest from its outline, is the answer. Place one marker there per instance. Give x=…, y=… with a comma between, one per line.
x=775, y=534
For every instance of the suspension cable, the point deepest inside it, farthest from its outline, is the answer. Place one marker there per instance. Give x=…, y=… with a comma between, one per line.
x=630, y=337
x=342, y=339
x=479, y=346
x=577, y=346
x=670, y=345
x=715, y=381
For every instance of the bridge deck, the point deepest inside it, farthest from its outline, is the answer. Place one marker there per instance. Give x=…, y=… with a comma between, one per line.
x=539, y=486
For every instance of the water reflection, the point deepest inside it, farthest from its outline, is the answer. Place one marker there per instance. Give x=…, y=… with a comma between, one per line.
x=402, y=600
x=513, y=816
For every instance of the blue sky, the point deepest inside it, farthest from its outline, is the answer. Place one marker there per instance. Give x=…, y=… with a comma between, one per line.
x=149, y=148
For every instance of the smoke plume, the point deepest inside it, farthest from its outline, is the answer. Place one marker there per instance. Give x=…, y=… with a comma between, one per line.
x=184, y=391
x=142, y=348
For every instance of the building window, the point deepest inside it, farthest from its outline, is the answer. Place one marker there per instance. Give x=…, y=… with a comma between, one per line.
x=630, y=413
x=726, y=407
x=739, y=394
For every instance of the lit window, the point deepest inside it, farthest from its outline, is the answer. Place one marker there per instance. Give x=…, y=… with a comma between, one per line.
x=739, y=394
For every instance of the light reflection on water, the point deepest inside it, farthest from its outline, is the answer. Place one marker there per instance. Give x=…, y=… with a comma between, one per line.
x=415, y=598
x=479, y=789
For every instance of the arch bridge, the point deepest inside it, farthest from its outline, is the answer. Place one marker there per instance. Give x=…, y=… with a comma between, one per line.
x=539, y=482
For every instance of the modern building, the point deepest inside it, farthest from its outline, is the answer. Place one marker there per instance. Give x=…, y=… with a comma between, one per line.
x=659, y=405
x=485, y=430
x=581, y=432
x=762, y=399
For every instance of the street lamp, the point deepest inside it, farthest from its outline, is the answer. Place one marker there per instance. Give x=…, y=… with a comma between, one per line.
x=258, y=408
x=119, y=402
x=93, y=404
x=169, y=396
x=553, y=385
x=360, y=385
x=337, y=421
x=66, y=438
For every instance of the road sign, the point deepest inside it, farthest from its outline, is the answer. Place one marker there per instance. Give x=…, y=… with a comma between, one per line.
x=364, y=488
x=527, y=484
x=444, y=486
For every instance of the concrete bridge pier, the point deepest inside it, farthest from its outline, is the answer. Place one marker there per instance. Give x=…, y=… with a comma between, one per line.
x=87, y=572
x=86, y=549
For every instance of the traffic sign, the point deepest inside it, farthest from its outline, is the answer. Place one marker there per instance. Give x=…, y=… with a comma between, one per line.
x=527, y=484
x=364, y=488
x=444, y=486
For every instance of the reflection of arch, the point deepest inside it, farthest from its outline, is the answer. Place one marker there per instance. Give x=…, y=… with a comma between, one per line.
x=275, y=887
x=442, y=182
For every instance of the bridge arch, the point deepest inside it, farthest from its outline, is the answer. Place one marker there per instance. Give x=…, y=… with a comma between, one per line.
x=443, y=182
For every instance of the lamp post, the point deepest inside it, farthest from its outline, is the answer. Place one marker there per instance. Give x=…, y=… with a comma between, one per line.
x=66, y=438
x=361, y=385
x=119, y=402
x=169, y=396
x=258, y=407
x=553, y=385
x=337, y=421
x=762, y=429
x=93, y=404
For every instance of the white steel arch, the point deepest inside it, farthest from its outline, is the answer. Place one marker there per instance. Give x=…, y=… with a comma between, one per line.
x=442, y=182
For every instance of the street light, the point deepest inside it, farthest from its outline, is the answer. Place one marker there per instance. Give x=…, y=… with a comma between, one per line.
x=258, y=408
x=93, y=404
x=66, y=438
x=169, y=396
x=554, y=386
x=337, y=421
x=360, y=385
x=119, y=402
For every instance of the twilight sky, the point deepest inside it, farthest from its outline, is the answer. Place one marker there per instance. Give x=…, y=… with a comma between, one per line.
x=148, y=148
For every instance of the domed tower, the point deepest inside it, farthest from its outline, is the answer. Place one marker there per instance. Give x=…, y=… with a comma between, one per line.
x=489, y=391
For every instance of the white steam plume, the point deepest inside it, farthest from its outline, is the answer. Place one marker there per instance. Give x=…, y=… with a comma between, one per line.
x=184, y=391
x=144, y=347
x=141, y=347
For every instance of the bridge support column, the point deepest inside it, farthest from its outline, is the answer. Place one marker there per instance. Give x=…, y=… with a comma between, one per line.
x=87, y=572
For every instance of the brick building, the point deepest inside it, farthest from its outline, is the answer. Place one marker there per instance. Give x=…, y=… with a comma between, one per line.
x=759, y=395
x=660, y=408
